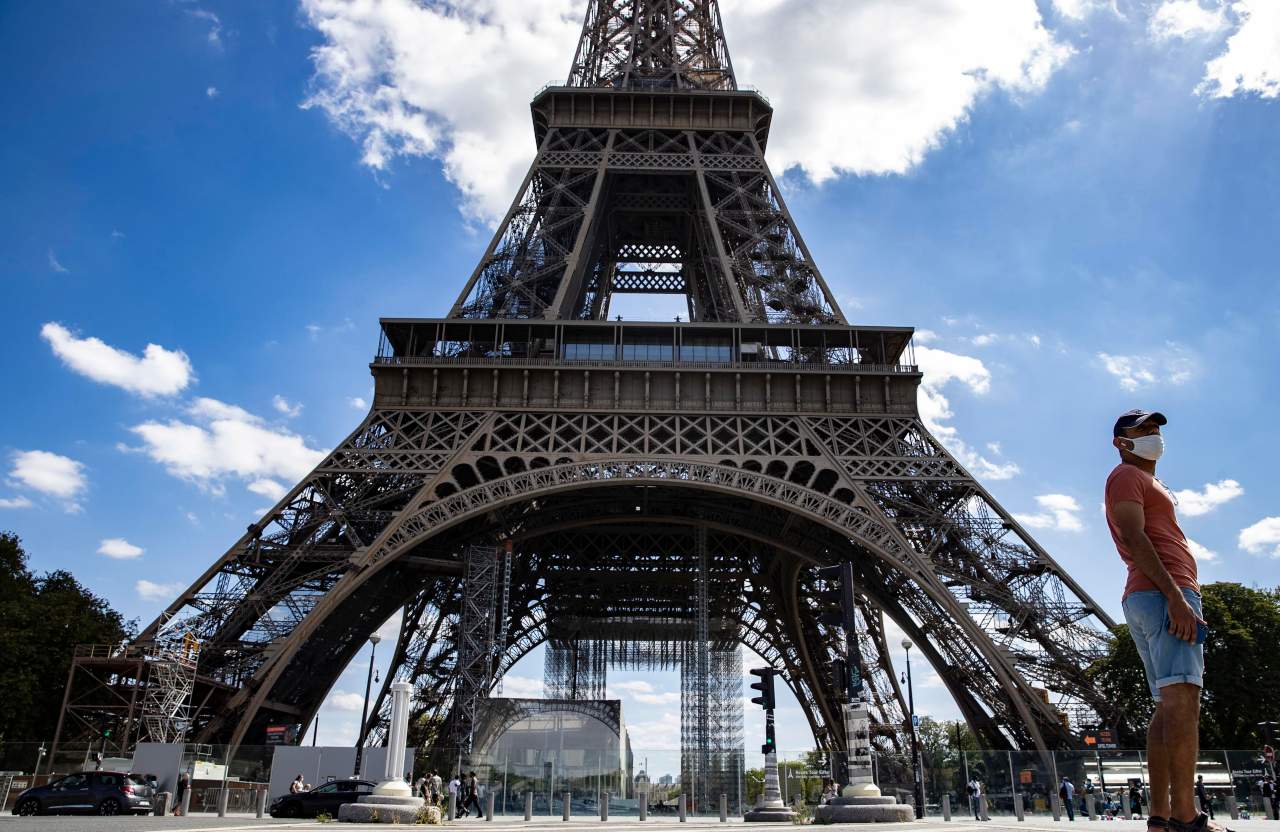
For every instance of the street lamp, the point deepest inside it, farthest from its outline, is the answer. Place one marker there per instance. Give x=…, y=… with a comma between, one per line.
x=916, y=767
x=364, y=713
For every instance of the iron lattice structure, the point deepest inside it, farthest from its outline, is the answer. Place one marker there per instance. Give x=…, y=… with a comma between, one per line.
x=758, y=439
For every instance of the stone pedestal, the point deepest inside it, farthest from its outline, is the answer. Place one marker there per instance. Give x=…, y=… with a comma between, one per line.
x=869, y=809
x=773, y=810
x=392, y=800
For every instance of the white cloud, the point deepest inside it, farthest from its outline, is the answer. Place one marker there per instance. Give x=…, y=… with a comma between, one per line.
x=1185, y=19
x=1175, y=365
x=1251, y=60
x=1261, y=537
x=522, y=687
x=51, y=474
x=1080, y=9
x=159, y=372
x=667, y=698
x=1058, y=512
x=1202, y=553
x=925, y=336
x=405, y=78
x=985, y=339
x=631, y=686
x=268, y=488
x=283, y=405
x=940, y=368
x=56, y=266
x=119, y=548
x=152, y=591
x=215, y=24
x=1194, y=503
x=357, y=402
x=211, y=92
x=315, y=330
x=15, y=502
x=222, y=441
x=346, y=701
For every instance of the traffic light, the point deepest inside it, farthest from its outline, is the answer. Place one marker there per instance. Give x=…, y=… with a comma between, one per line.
x=765, y=686
x=839, y=596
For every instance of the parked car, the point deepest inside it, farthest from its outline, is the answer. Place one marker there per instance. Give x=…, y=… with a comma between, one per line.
x=326, y=798
x=87, y=792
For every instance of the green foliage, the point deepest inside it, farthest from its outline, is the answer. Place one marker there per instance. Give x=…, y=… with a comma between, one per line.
x=42, y=618
x=324, y=817
x=1242, y=669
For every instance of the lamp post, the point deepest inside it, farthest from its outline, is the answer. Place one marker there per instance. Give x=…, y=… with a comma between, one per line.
x=1267, y=729
x=916, y=768
x=364, y=713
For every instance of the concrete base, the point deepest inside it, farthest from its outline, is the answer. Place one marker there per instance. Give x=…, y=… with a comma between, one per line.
x=866, y=789
x=376, y=808
x=868, y=809
x=770, y=814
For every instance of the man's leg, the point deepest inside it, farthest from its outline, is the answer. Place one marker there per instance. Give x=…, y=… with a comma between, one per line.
x=1158, y=764
x=1180, y=705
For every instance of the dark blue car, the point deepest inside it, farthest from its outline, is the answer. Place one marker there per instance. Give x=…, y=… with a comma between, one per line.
x=326, y=798
x=88, y=793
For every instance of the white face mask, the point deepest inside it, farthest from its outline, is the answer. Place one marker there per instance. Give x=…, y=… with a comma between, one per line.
x=1148, y=447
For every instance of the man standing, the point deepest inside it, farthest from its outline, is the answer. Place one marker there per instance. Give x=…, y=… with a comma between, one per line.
x=1202, y=794
x=1162, y=609
x=975, y=798
x=1067, y=791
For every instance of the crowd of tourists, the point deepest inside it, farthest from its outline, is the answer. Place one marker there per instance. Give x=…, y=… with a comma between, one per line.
x=464, y=789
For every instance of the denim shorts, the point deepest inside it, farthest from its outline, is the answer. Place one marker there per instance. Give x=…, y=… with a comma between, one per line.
x=1167, y=659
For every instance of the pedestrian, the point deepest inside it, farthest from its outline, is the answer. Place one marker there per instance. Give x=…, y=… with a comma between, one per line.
x=184, y=783
x=454, y=785
x=1067, y=791
x=1162, y=608
x=1269, y=790
x=1202, y=794
x=297, y=786
x=1135, y=800
x=828, y=792
x=1084, y=798
x=420, y=787
x=437, y=787
x=471, y=795
x=975, y=798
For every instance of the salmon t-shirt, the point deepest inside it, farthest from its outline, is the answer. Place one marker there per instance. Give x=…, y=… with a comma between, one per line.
x=1129, y=483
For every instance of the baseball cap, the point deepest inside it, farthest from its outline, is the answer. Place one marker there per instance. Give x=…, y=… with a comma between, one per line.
x=1135, y=417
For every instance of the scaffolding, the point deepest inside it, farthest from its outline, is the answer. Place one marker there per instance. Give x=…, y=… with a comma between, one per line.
x=171, y=680
x=476, y=629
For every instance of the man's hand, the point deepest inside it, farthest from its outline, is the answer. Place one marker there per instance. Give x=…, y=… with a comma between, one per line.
x=1182, y=619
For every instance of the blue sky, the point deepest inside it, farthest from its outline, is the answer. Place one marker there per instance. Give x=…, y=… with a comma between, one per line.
x=1074, y=200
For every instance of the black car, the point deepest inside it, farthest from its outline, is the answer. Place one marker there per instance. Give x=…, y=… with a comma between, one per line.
x=326, y=798
x=87, y=792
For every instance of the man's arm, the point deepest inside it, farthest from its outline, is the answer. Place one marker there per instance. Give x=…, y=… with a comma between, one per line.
x=1131, y=519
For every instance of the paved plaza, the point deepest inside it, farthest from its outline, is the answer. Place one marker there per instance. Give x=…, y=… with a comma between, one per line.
x=198, y=823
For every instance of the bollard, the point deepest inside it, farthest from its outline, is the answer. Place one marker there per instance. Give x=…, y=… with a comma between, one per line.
x=528, y=805
x=262, y=804
x=1089, y=807
x=1055, y=803
x=644, y=806
x=186, y=802
x=223, y=795
x=946, y=807
x=160, y=804
x=565, y=808
x=488, y=806
x=604, y=806
x=1266, y=809
x=1233, y=808
x=724, y=808
x=1200, y=810
x=982, y=807
x=682, y=809
x=1017, y=806
x=453, y=806
x=1125, y=805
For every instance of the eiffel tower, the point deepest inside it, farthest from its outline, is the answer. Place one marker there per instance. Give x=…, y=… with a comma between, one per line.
x=535, y=470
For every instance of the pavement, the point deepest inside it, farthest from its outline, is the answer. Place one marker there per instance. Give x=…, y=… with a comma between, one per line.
x=202, y=823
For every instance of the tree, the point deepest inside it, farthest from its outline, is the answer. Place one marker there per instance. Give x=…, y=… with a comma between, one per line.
x=42, y=618
x=1242, y=670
